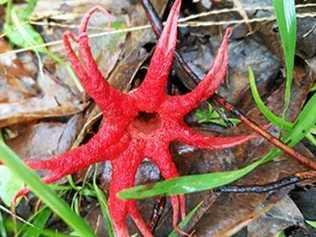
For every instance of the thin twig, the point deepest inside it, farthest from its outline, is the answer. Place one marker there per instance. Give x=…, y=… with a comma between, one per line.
x=59, y=42
x=268, y=187
x=243, y=13
x=182, y=23
x=34, y=21
x=157, y=212
x=236, y=22
x=229, y=10
x=69, y=26
x=15, y=215
x=264, y=188
x=53, y=15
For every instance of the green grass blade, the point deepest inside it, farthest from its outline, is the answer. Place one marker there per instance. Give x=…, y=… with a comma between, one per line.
x=188, y=184
x=311, y=223
x=3, y=231
x=28, y=10
x=273, y=118
x=59, y=206
x=305, y=121
x=21, y=33
x=186, y=220
x=280, y=234
x=105, y=211
x=278, y=121
x=44, y=232
x=311, y=138
x=9, y=185
x=104, y=208
x=39, y=220
x=49, y=233
x=286, y=19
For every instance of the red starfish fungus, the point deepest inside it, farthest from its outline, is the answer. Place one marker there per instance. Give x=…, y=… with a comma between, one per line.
x=139, y=124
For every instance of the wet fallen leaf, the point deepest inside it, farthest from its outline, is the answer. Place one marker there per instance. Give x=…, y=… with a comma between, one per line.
x=243, y=53
x=282, y=215
x=304, y=198
x=32, y=141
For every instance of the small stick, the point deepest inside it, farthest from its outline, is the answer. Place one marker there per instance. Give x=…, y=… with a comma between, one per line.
x=184, y=67
x=306, y=175
x=264, y=188
x=157, y=212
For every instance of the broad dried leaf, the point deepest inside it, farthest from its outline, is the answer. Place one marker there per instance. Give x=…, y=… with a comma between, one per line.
x=31, y=140
x=57, y=101
x=35, y=108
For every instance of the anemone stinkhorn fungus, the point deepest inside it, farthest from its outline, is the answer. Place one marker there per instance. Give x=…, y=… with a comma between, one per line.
x=138, y=124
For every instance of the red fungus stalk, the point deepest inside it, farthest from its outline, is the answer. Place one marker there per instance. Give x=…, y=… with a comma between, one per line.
x=140, y=124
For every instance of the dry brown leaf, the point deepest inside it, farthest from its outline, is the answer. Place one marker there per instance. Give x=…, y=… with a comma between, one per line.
x=58, y=101
x=45, y=138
